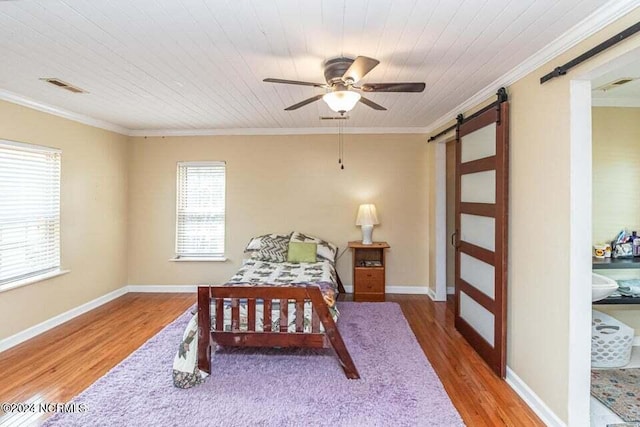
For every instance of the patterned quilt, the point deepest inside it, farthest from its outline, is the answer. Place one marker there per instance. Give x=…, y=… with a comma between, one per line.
x=323, y=274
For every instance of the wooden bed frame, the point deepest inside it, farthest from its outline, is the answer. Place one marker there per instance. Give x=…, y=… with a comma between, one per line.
x=268, y=338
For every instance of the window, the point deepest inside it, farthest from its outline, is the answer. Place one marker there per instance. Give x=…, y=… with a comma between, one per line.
x=29, y=211
x=200, y=216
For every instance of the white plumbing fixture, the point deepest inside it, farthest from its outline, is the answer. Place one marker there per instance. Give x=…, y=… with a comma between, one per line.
x=602, y=287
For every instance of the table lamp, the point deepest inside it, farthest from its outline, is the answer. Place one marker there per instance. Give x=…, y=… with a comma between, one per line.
x=367, y=218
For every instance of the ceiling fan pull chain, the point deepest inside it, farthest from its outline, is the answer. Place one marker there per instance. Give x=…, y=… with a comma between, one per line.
x=342, y=145
x=339, y=143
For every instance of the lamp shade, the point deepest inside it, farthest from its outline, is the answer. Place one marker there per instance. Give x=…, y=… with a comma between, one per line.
x=341, y=100
x=367, y=215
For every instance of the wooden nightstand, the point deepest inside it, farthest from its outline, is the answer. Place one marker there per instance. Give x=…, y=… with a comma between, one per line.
x=368, y=271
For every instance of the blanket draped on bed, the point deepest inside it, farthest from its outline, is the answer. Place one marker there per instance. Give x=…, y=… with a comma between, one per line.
x=185, y=365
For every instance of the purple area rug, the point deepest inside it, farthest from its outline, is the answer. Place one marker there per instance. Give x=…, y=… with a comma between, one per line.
x=277, y=387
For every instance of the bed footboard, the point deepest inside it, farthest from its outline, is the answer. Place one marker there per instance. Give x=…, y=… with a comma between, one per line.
x=281, y=337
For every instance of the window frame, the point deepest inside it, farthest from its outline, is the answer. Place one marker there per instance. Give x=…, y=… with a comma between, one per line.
x=204, y=256
x=40, y=274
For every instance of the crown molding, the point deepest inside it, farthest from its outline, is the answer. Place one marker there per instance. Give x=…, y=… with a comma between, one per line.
x=615, y=102
x=278, y=131
x=14, y=98
x=599, y=19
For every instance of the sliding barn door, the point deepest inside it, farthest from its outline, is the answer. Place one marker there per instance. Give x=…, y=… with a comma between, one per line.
x=481, y=243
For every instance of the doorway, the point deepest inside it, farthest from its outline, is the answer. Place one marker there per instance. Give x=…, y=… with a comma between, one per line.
x=614, y=107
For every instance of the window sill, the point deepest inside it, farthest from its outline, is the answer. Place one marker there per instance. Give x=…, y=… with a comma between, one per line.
x=33, y=279
x=199, y=259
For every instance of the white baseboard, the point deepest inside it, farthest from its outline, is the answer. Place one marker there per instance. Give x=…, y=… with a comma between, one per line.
x=31, y=332
x=451, y=290
x=536, y=404
x=163, y=288
x=432, y=295
x=411, y=290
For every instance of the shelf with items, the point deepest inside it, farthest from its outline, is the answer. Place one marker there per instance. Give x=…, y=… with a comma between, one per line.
x=618, y=301
x=615, y=263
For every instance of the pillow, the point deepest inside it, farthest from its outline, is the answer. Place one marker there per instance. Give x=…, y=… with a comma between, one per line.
x=272, y=249
x=255, y=244
x=325, y=251
x=302, y=252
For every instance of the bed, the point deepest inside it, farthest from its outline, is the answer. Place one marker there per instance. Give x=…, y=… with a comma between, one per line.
x=269, y=302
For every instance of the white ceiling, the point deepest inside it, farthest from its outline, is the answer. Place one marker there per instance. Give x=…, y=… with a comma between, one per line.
x=195, y=64
x=627, y=95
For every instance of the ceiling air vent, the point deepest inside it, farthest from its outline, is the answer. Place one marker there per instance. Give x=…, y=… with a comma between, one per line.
x=616, y=83
x=64, y=85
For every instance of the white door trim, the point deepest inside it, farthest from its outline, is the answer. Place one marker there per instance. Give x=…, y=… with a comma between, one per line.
x=441, y=221
x=580, y=229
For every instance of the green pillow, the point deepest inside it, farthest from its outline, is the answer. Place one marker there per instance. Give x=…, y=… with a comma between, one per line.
x=302, y=252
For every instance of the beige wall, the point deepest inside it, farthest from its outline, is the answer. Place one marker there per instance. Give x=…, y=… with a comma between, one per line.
x=616, y=199
x=539, y=238
x=274, y=184
x=93, y=216
x=616, y=171
x=280, y=184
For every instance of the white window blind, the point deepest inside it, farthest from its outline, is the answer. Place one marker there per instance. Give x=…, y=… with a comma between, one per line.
x=200, y=209
x=29, y=211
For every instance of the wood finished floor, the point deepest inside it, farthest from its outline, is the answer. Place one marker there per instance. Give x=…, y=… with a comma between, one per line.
x=61, y=363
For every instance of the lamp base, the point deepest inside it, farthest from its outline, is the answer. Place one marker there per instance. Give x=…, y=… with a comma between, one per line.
x=367, y=231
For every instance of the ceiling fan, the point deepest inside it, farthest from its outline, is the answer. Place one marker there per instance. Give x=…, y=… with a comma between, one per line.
x=341, y=75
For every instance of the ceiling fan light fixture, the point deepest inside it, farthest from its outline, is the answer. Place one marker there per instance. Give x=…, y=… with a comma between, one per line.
x=340, y=74
x=341, y=101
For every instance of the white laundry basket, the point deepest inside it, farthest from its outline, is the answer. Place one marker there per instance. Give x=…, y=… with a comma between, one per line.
x=611, y=341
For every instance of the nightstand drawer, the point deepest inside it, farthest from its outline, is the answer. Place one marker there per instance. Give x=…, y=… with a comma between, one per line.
x=369, y=280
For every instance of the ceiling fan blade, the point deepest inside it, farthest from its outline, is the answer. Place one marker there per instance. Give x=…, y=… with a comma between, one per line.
x=393, y=87
x=294, y=82
x=359, y=68
x=370, y=103
x=303, y=103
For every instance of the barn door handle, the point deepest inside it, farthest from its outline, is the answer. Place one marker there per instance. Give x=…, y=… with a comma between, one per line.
x=454, y=240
